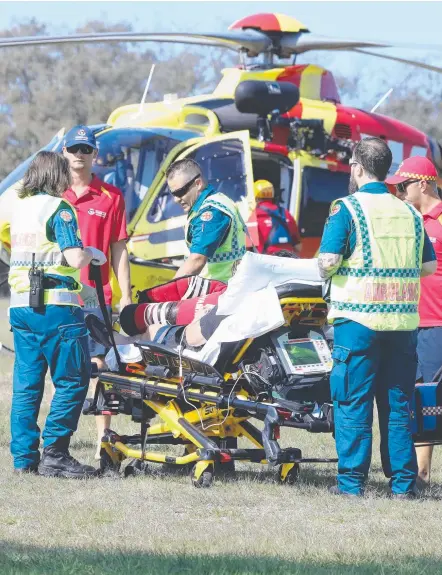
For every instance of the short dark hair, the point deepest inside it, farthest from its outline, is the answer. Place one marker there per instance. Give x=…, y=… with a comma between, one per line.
x=375, y=157
x=48, y=173
x=187, y=166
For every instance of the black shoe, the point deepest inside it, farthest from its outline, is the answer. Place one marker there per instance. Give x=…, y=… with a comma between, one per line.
x=33, y=469
x=410, y=495
x=57, y=462
x=334, y=490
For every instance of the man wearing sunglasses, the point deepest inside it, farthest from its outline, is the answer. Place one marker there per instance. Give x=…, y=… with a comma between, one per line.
x=415, y=182
x=102, y=220
x=374, y=250
x=215, y=231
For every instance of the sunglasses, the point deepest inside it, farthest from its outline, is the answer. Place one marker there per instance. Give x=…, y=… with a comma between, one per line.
x=181, y=192
x=83, y=148
x=402, y=187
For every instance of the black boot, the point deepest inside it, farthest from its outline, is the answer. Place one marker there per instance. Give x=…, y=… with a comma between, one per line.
x=57, y=462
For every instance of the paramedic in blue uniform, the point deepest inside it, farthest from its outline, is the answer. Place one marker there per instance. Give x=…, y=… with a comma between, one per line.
x=374, y=250
x=215, y=231
x=48, y=328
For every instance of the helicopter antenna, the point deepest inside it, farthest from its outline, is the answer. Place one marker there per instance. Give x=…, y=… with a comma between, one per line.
x=384, y=97
x=146, y=89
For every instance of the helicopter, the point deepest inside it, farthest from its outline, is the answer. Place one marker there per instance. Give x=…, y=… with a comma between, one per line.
x=264, y=120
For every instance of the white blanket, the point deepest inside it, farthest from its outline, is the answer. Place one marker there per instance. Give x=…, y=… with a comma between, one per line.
x=257, y=271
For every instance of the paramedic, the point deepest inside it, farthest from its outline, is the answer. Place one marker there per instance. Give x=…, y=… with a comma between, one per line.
x=415, y=182
x=215, y=230
x=277, y=230
x=374, y=249
x=49, y=331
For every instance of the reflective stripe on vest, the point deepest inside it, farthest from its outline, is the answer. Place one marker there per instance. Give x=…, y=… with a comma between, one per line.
x=221, y=265
x=29, y=222
x=51, y=297
x=379, y=285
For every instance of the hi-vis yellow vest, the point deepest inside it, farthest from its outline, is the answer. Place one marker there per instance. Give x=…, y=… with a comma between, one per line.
x=379, y=285
x=223, y=262
x=29, y=235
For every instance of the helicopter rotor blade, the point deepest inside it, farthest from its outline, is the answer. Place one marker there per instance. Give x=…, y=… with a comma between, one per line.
x=429, y=67
x=251, y=40
x=288, y=47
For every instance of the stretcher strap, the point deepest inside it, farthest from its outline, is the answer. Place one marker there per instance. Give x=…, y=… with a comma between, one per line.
x=95, y=276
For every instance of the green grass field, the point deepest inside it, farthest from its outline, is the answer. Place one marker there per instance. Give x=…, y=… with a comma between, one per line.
x=251, y=525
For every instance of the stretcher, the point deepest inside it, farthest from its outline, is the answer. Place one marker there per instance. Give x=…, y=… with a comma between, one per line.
x=280, y=379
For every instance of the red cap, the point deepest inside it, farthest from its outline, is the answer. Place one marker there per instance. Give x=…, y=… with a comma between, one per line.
x=417, y=168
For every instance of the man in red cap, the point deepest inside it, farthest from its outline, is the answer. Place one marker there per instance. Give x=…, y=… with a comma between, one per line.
x=415, y=181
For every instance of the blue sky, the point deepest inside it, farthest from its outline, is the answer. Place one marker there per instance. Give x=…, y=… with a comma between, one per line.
x=406, y=22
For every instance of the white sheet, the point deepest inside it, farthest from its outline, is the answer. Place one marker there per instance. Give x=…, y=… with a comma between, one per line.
x=257, y=271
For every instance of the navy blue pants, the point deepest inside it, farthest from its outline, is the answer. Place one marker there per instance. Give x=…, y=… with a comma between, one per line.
x=55, y=338
x=371, y=365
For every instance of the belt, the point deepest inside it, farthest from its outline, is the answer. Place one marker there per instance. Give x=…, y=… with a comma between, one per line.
x=51, y=297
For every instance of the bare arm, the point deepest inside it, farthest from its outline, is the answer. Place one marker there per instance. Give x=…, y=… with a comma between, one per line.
x=77, y=257
x=328, y=264
x=120, y=265
x=192, y=266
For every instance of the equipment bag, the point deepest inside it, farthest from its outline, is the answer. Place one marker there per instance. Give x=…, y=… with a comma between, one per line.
x=426, y=412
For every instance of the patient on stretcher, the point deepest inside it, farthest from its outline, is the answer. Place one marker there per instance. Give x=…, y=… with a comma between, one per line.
x=190, y=316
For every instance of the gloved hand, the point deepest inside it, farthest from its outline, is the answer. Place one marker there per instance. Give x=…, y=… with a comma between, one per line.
x=98, y=257
x=89, y=297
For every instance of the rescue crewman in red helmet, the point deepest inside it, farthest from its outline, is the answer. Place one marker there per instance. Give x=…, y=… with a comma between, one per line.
x=277, y=230
x=415, y=182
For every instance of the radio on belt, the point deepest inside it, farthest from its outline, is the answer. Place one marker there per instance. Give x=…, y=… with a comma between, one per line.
x=36, y=290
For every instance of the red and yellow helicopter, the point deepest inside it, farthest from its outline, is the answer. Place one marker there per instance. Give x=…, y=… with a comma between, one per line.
x=283, y=123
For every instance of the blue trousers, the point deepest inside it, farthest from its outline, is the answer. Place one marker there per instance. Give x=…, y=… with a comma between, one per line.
x=371, y=365
x=55, y=338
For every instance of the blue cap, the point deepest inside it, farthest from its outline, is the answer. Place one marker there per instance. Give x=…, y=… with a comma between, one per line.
x=80, y=135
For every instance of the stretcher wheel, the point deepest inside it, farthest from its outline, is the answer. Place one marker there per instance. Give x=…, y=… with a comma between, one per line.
x=289, y=473
x=136, y=468
x=205, y=479
x=107, y=465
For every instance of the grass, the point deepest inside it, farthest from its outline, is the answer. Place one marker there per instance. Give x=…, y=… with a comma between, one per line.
x=251, y=525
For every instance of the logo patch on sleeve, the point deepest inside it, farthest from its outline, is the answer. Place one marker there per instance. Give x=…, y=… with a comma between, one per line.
x=335, y=209
x=66, y=216
x=206, y=216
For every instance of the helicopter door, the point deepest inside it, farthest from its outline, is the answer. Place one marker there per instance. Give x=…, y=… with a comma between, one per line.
x=158, y=232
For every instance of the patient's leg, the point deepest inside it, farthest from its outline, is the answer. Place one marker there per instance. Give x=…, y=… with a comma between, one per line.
x=198, y=333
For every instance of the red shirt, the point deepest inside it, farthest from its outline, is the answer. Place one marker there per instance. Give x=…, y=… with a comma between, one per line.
x=430, y=303
x=265, y=227
x=102, y=221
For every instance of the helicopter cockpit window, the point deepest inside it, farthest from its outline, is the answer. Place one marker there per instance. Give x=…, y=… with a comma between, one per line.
x=129, y=159
x=319, y=188
x=222, y=164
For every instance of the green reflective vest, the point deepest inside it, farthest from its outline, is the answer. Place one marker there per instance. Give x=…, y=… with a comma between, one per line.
x=29, y=236
x=379, y=284
x=223, y=262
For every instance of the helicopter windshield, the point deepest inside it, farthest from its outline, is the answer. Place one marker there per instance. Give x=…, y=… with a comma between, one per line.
x=17, y=174
x=130, y=158
x=319, y=188
x=222, y=164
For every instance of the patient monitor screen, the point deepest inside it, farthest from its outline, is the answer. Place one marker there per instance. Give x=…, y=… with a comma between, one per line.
x=302, y=353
